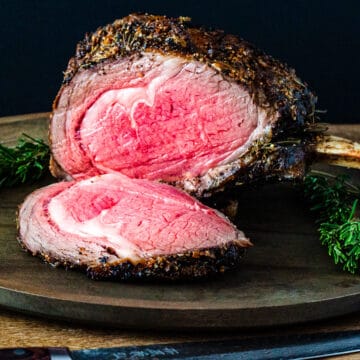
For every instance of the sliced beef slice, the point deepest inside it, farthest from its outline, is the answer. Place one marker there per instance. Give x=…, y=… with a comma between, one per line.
x=120, y=228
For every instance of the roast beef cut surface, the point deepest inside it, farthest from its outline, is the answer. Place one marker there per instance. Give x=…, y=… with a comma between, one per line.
x=121, y=228
x=154, y=98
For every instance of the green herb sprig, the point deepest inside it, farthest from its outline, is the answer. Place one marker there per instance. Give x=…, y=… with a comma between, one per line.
x=335, y=201
x=24, y=163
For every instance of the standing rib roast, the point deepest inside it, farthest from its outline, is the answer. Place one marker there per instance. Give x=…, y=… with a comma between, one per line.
x=152, y=97
x=150, y=100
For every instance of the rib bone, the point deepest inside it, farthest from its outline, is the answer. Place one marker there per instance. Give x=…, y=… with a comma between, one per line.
x=339, y=151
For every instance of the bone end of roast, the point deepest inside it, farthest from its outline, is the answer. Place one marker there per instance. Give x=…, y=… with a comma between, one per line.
x=338, y=151
x=119, y=228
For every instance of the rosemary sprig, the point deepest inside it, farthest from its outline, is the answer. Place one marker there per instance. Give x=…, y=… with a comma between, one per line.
x=26, y=162
x=335, y=201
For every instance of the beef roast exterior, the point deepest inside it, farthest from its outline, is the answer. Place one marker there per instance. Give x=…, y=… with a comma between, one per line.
x=155, y=98
x=120, y=228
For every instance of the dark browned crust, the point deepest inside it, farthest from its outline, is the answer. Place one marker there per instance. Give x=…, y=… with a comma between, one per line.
x=278, y=162
x=272, y=85
x=288, y=162
x=192, y=264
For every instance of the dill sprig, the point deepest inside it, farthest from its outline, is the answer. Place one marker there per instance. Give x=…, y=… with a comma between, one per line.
x=335, y=201
x=24, y=163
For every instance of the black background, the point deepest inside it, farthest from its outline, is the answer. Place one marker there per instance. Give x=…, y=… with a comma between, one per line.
x=320, y=39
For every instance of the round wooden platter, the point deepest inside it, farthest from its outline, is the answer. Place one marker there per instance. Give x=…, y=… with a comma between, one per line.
x=287, y=277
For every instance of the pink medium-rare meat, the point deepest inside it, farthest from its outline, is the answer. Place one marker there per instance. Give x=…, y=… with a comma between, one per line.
x=177, y=121
x=121, y=228
x=152, y=97
x=165, y=125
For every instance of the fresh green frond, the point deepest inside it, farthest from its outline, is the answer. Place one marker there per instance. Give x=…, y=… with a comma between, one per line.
x=335, y=202
x=24, y=163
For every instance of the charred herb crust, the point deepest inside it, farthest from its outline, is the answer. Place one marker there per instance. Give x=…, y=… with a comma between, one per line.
x=189, y=265
x=277, y=162
x=272, y=85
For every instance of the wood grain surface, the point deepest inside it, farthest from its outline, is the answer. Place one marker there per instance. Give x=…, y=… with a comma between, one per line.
x=26, y=330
